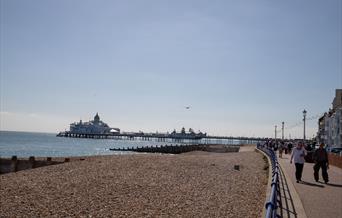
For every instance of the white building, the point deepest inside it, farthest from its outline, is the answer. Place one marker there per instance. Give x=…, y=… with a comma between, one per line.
x=95, y=126
x=334, y=131
x=330, y=124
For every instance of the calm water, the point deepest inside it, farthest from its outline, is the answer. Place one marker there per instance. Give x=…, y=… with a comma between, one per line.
x=25, y=144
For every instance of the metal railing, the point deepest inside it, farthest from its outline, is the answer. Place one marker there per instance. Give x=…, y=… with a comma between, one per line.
x=273, y=203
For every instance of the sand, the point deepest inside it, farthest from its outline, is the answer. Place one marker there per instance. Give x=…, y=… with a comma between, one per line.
x=194, y=184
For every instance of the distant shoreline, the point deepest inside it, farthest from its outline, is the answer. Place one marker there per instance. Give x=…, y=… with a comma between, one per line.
x=13, y=131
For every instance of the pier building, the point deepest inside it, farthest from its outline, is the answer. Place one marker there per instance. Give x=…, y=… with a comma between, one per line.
x=95, y=126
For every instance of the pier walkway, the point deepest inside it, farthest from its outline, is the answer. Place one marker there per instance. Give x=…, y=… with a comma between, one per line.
x=318, y=199
x=163, y=137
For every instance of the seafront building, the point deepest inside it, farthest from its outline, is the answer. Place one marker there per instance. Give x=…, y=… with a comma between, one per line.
x=330, y=124
x=95, y=126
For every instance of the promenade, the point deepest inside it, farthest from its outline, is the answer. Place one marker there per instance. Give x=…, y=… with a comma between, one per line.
x=318, y=199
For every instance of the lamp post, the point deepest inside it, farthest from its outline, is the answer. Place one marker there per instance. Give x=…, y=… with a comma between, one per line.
x=282, y=130
x=275, y=132
x=304, y=118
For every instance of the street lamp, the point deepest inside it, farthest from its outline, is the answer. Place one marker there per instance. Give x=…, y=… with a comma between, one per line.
x=304, y=118
x=282, y=130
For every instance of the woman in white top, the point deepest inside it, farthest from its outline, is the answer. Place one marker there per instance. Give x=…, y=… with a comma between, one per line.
x=298, y=155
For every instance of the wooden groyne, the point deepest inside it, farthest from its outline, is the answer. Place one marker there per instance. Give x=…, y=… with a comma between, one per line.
x=177, y=149
x=14, y=164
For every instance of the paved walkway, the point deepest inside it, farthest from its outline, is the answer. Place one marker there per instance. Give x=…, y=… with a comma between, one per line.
x=319, y=199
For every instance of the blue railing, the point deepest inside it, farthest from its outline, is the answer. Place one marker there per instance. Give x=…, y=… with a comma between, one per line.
x=272, y=204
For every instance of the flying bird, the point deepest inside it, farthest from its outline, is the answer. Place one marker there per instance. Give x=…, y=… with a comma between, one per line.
x=188, y=107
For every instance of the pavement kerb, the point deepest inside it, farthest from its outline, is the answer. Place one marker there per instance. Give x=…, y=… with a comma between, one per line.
x=269, y=181
x=295, y=197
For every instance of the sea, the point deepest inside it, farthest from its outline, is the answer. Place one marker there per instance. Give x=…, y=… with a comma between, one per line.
x=25, y=144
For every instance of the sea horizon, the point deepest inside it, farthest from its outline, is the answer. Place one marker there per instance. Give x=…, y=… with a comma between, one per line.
x=25, y=144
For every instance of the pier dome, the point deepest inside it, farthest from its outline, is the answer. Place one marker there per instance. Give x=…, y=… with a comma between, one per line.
x=97, y=118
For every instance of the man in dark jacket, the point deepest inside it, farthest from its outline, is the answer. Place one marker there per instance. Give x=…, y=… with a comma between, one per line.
x=320, y=157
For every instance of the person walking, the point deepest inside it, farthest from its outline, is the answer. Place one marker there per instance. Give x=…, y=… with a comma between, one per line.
x=281, y=149
x=320, y=156
x=298, y=155
x=289, y=147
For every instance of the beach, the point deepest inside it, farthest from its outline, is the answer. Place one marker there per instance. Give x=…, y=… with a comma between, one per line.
x=193, y=184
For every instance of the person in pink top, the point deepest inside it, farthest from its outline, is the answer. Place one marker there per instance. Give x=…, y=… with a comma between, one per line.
x=298, y=155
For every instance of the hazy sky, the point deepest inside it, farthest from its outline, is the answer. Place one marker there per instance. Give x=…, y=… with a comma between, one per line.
x=242, y=66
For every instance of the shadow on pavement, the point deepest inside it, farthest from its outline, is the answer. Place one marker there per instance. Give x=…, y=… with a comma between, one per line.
x=334, y=185
x=312, y=184
x=331, y=184
x=286, y=207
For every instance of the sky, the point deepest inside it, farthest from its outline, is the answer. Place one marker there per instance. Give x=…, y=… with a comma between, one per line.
x=242, y=66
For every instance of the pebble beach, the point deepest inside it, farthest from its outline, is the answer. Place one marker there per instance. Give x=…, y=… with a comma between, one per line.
x=193, y=184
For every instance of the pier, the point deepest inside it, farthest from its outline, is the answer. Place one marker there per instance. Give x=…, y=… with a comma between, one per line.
x=97, y=129
x=163, y=137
